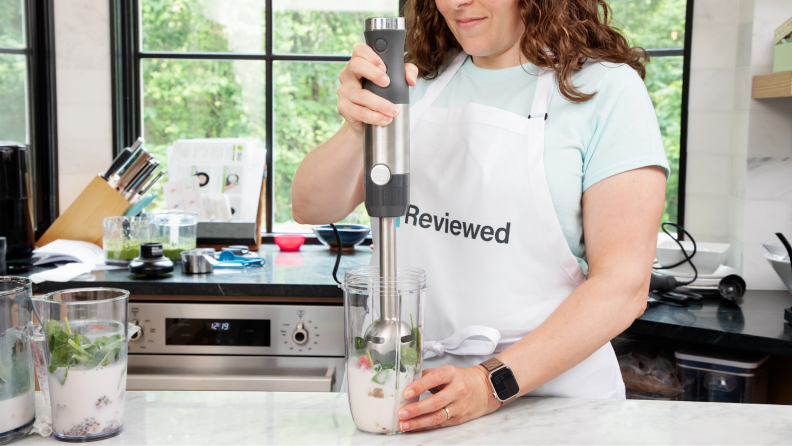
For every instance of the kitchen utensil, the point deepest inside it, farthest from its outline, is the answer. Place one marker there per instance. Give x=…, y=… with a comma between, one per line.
x=239, y=250
x=151, y=183
x=351, y=235
x=16, y=207
x=386, y=161
x=709, y=256
x=117, y=163
x=289, y=242
x=217, y=264
x=380, y=364
x=17, y=388
x=133, y=169
x=86, y=356
x=141, y=183
x=228, y=256
x=175, y=230
x=195, y=261
x=151, y=261
x=122, y=238
x=137, y=181
x=134, y=209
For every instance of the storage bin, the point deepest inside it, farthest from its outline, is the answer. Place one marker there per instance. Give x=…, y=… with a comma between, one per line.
x=722, y=377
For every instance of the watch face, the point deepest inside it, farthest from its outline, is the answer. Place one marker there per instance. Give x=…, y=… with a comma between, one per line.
x=505, y=383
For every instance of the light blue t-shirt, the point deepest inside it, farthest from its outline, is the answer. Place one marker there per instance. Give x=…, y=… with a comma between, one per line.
x=585, y=142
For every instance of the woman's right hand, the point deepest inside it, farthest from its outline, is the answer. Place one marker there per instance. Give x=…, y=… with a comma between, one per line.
x=359, y=106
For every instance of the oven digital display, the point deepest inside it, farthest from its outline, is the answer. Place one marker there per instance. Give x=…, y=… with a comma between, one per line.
x=225, y=332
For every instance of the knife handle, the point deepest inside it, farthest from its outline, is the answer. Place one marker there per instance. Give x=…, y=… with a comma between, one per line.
x=117, y=163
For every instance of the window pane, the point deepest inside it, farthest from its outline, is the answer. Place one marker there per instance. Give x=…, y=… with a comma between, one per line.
x=201, y=99
x=664, y=82
x=305, y=116
x=651, y=23
x=12, y=24
x=13, y=97
x=324, y=27
x=203, y=25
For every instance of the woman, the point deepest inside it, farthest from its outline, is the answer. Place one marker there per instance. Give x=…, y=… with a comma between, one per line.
x=530, y=128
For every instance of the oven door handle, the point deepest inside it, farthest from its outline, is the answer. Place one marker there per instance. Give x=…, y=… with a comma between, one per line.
x=260, y=383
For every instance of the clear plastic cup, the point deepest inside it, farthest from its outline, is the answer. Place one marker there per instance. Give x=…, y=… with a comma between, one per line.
x=86, y=360
x=17, y=388
x=176, y=230
x=122, y=237
x=384, y=330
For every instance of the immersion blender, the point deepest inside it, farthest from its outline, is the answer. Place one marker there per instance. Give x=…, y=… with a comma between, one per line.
x=387, y=175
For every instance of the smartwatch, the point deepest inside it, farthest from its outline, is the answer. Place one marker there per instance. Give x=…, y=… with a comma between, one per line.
x=502, y=379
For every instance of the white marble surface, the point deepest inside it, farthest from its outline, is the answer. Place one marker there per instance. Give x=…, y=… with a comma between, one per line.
x=167, y=418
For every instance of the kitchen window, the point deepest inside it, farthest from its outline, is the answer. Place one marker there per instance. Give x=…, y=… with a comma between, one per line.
x=269, y=69
x=27, y=97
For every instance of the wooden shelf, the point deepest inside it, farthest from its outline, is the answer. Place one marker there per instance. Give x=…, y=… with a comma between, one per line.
x=776, y=85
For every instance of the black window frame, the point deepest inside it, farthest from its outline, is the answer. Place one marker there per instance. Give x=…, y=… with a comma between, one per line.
x=42, y=109
x=127, y=98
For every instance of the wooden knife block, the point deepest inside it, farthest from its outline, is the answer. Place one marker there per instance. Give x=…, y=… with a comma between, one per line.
x=83, y=219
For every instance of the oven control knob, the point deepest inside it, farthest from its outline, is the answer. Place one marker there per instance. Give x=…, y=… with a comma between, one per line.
x=139, y=334
x=300, y=335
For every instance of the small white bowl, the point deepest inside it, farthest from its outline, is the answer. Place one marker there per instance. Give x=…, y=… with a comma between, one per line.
x=709, y=256
x=782, y=268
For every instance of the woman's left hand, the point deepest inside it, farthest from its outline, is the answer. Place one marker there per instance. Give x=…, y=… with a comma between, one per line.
x=464, y=391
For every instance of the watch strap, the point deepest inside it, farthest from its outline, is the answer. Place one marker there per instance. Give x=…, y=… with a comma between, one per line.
x=492, y=364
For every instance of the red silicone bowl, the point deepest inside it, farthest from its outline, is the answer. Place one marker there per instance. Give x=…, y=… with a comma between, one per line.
x=289, y=242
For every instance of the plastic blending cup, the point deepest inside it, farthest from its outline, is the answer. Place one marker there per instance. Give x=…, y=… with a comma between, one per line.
x=17, y=388
x=122, y=237
x=384, y=329
x=86, y=358
x=176, y=230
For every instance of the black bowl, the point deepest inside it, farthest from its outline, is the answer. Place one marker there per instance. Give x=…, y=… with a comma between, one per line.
x=351, y=235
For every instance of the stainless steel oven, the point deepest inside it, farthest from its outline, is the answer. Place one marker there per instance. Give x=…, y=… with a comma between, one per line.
x=264, y=347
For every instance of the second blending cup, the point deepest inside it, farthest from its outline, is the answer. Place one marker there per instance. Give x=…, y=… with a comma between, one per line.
x=86, y=360
x=384, y=329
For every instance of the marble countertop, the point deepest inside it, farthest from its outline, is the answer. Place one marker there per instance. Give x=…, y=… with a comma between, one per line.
x=169, y=418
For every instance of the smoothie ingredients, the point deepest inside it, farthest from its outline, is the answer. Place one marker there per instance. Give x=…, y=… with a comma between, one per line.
x=69, y=349
x=17, y=404
x=17, y=412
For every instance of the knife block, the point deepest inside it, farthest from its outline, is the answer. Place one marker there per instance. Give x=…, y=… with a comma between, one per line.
x=83, y=219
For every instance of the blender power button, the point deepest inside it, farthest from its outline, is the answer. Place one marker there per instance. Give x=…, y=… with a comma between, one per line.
x=300, y=335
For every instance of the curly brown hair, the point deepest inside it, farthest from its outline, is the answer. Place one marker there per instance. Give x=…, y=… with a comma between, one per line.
x=574, y=31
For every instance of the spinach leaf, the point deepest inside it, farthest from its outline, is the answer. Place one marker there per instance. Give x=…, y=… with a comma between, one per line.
x=69, y=349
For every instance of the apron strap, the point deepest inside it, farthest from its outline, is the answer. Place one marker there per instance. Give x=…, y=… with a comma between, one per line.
x=438, y=85
x=460, y=343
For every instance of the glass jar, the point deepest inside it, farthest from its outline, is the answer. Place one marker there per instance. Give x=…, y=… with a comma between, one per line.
x=86, y=360
x=176, y=230
x=17, y=388
x=122, y=237
x=384, y=329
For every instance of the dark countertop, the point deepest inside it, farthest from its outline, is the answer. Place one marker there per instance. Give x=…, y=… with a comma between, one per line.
x=756, y=323
x=306, y=273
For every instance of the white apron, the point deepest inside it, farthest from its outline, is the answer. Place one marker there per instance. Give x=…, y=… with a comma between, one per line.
x=482, y=226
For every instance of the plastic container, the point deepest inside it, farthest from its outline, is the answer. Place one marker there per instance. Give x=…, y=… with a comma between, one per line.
x=17, y=389
x=86, y=358
x=176, y=230
x=723, y=377
x=122, y=237
x=289, y=242
x=383, y=344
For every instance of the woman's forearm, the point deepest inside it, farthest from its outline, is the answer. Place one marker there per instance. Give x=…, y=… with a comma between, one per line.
x=590, y=317
x=328, y=184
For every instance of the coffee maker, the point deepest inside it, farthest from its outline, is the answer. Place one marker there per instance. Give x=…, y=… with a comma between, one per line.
x=16, y=206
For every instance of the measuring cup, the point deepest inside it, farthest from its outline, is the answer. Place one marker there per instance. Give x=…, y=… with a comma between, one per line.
x=17, y=388
x=379, y=368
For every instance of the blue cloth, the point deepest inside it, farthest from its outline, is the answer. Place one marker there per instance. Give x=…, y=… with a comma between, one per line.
x=585, y=142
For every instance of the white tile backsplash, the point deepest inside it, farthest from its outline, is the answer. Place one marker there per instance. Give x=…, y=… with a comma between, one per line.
x=85, y=122
x=764, y=218
x=770, y=135
x=709, y=132
x=82, y=34
x=707, y=90
x=739, y=171
x=773, y=11
x=711, y=174
x=716, y=12
x=707, y=216
x=769, y=179
x=744, y=33
x=714, y=47
x=747, y=11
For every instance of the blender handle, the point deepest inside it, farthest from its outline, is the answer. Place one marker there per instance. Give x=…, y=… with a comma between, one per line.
x=388, y=43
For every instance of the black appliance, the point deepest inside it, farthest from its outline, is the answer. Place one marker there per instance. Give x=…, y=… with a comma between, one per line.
x=16, y=206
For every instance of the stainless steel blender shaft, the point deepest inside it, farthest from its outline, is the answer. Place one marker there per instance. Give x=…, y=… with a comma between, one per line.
x=387, y=260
